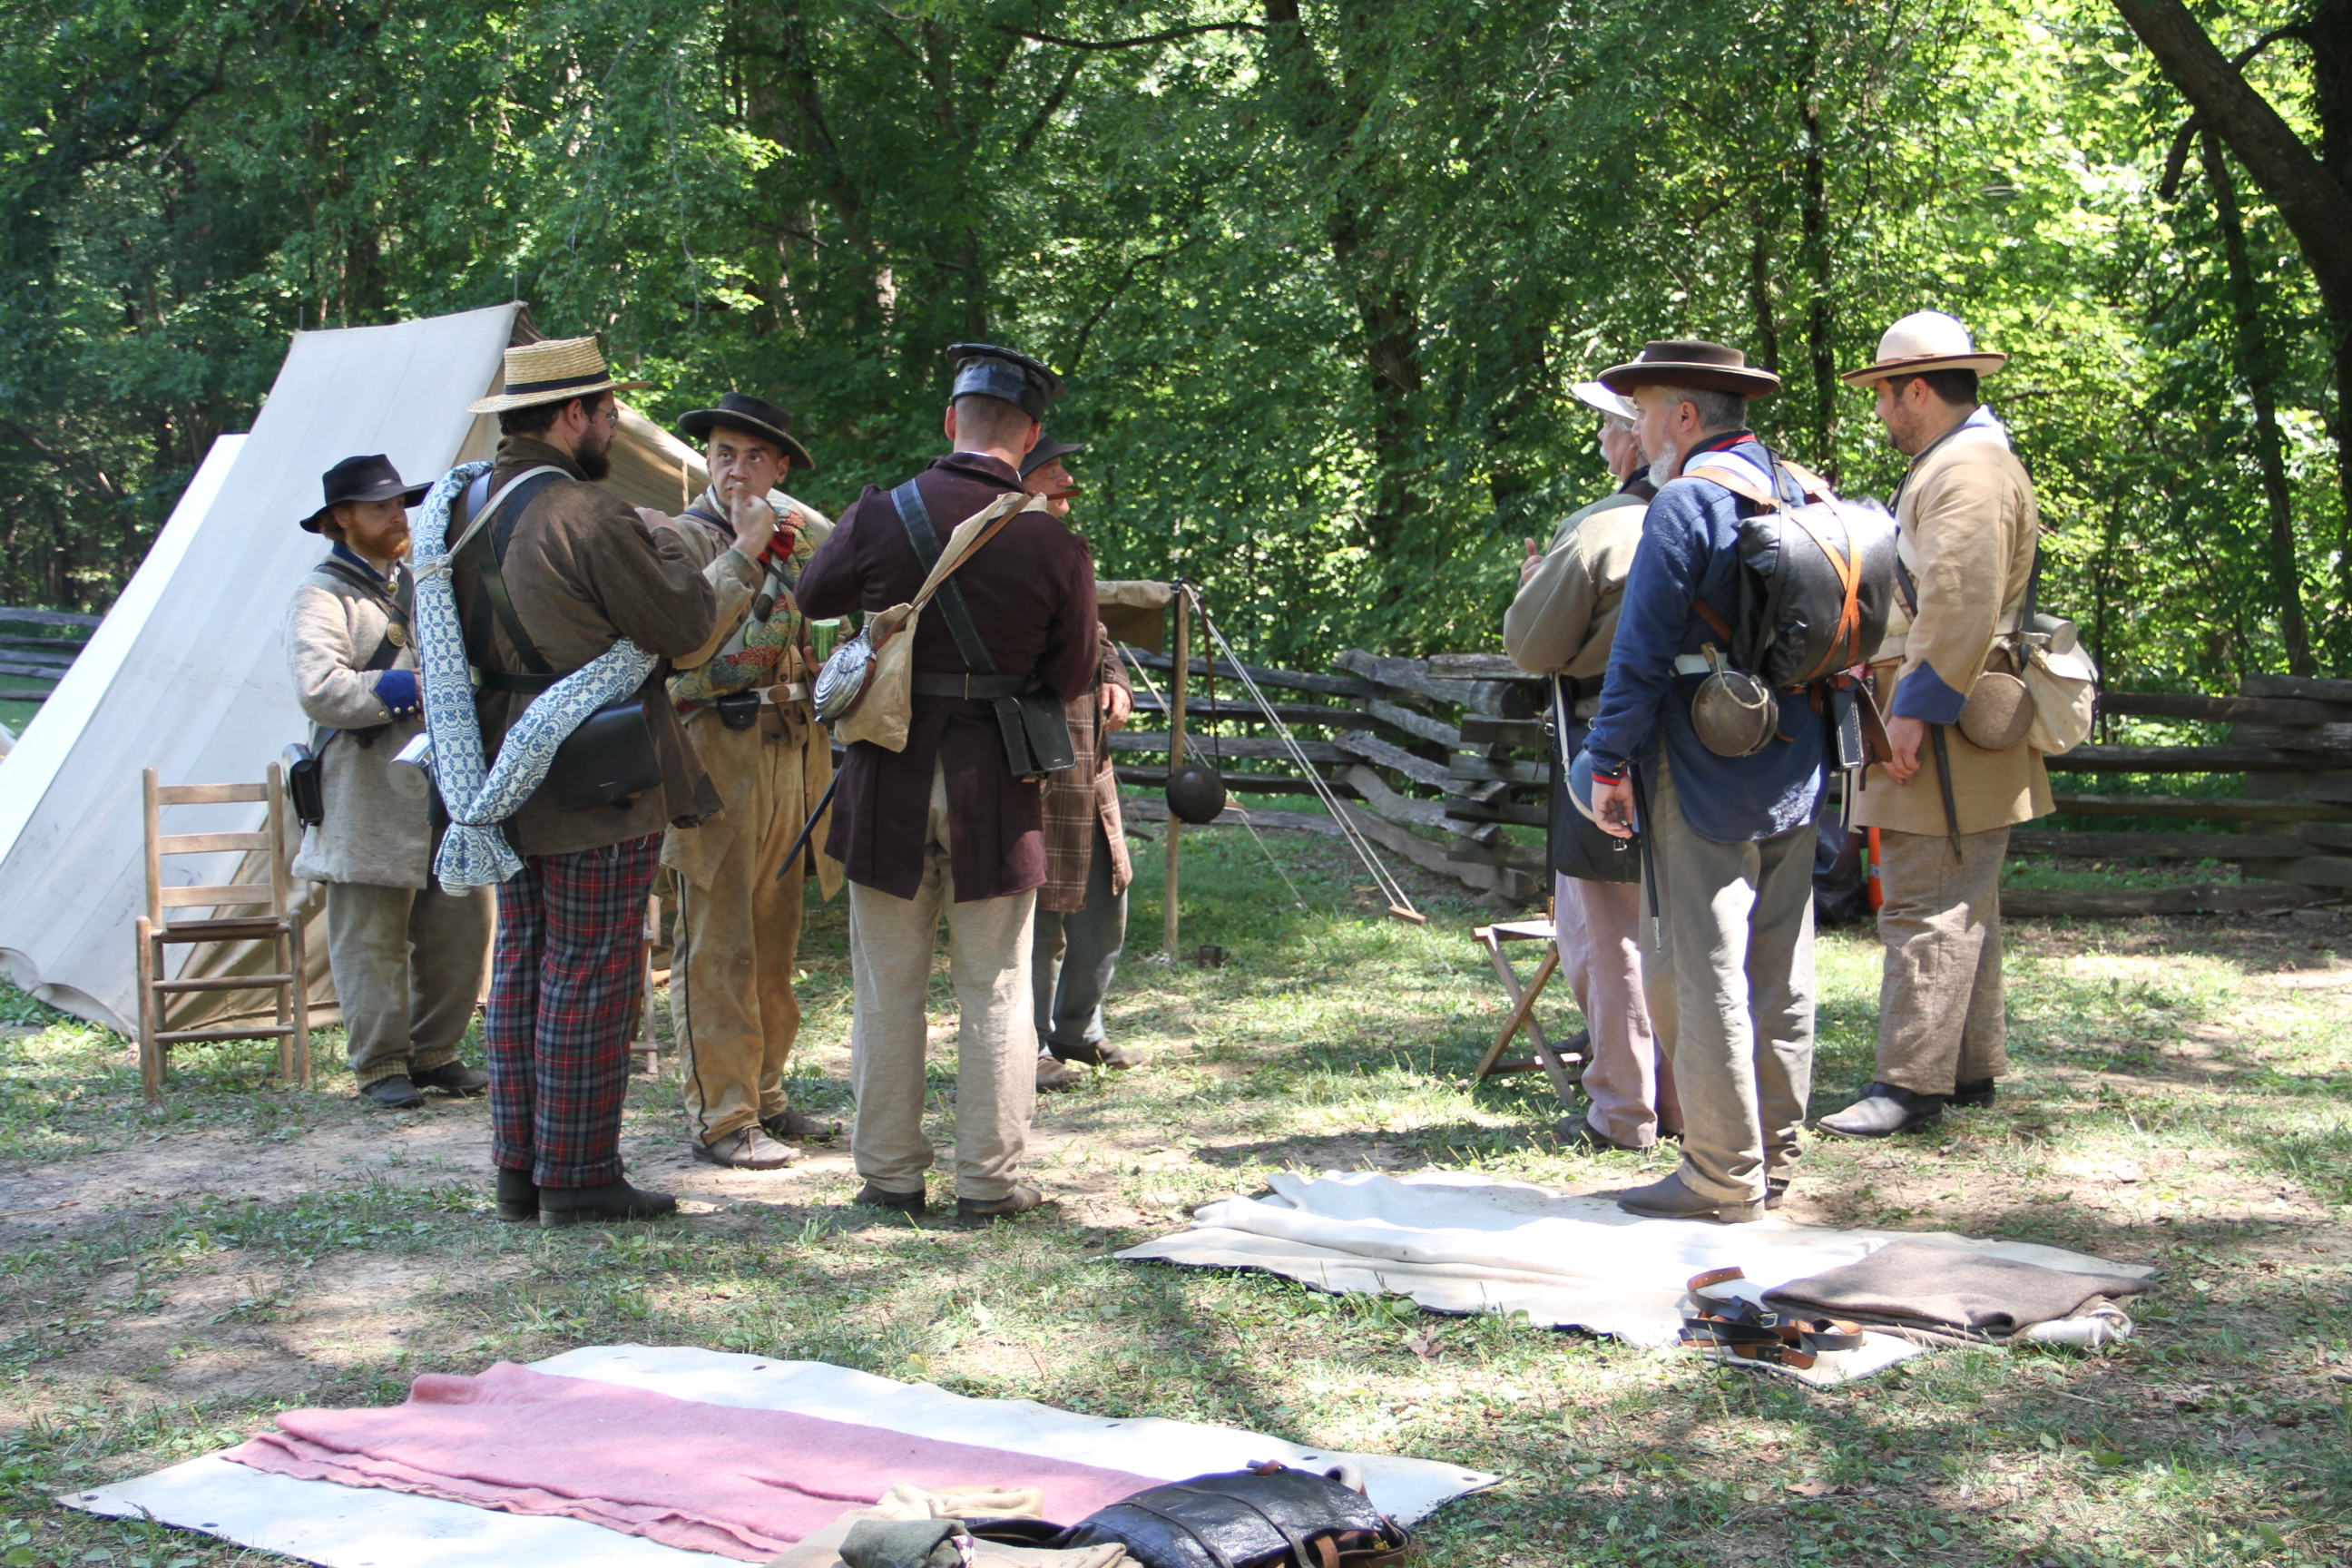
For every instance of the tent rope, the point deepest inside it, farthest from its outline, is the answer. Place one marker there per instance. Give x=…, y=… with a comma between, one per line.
x=1382, y=879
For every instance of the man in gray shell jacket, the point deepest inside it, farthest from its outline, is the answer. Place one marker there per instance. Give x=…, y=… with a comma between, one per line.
x=407, y=960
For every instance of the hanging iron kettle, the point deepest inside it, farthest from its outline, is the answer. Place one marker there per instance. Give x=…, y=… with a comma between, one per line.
x=1195, y=793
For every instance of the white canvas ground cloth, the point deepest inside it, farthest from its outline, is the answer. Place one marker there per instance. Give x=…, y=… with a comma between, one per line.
x=352, y=1526
x=1456, y=1242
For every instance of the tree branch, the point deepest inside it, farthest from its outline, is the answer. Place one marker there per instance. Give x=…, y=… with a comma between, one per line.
x=2177, y=161
x=1169, y=37
x=2316, y=208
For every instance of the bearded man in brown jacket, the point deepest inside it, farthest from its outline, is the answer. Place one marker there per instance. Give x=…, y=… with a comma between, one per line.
x=1944, y=805
x=578, y=569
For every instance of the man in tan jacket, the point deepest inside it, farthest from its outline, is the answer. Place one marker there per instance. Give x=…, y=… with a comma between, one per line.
x=1560, y=625
x=1944, y=805
x=743, y=696
x=407, y=960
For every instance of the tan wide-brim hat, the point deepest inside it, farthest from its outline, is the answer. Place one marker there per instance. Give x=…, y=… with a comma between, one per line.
x=554, y=371
x=1922, y=342
x=1688, y=362
x=1592, y=395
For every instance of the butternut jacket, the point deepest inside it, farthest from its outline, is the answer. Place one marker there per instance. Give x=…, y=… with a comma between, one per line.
x=1969, y=525
x=585, y=571
x=1564, y=615
x=372, y=834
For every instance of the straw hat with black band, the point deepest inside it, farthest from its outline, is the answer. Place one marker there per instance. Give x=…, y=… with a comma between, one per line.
x=1688, y=362
x=360, y=480
x=1922, y=342
x=753, y=416
x=555, y=370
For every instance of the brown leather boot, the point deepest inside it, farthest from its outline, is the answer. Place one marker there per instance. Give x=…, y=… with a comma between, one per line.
x=1056, y=1076
x=749, y=1149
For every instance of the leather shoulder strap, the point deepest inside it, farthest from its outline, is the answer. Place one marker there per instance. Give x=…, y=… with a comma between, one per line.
x=489, y=547
x=949, y=595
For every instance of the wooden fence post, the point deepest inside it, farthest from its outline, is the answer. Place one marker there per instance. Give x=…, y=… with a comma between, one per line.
x=1176, y=681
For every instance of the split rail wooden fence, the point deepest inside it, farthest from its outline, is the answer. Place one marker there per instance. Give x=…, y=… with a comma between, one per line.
x=1438, y=756
x=42, y=658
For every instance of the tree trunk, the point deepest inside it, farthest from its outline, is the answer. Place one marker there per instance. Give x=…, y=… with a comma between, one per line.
x=2328, y=34
x=2254, y=369
x=2316, y=207
x=1821, y=350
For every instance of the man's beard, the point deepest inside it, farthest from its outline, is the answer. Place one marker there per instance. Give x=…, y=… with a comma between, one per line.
x=595, y=461
x=1664, y=465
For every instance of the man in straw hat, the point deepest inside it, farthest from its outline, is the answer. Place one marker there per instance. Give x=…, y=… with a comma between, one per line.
x=744, y=698
x=1562, y=625
x=1728, y=952
x=1962, y=774
x=944, y=823
x=562, y=571
x=1082, y=909
x=407, y=961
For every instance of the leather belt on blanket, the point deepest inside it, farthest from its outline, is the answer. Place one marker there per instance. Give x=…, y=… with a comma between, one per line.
x=1746, y=1331
x=973, y=687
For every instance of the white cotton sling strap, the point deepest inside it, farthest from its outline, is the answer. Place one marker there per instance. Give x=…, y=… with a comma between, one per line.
x=474, y=853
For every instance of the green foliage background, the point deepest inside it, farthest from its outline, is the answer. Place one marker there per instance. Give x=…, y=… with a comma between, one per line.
x=1320, y=274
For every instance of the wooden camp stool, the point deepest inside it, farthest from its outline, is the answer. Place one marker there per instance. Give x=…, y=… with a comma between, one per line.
x=282, y=926
x=1565, y=1067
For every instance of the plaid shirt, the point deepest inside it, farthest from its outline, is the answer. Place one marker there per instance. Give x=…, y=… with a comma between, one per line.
x=1082, y=795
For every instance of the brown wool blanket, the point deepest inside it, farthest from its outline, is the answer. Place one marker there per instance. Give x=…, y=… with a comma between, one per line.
x=1917, y=1284
x=738, y=1483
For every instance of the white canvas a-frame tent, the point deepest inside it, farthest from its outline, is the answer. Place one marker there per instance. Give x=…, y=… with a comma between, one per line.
x=187, y=674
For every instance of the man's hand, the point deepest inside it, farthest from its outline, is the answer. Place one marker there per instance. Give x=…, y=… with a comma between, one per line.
x=653, y=517
x=1902, y=737
x=1613, y=804
x=1117, y=706
x=1534, y=559
x=755, y=524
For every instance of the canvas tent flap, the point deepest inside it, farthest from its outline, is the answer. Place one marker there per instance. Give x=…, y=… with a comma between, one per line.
x=187, y=674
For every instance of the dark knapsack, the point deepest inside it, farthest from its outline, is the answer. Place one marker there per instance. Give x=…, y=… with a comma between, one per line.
x=1270, y=1516
x=1816, y=573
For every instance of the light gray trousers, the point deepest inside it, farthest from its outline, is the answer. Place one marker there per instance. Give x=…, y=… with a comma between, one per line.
x=408, y=966
x=1728, y=971
x=891, y=943
x=1941, y=1017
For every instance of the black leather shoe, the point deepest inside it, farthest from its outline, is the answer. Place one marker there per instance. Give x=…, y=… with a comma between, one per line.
x=1577, y=1135
x=517, y=1196
x=874, y=1197
x=1884, y=1110
x=600, y=1205
x=1977, y=1093
x=451, y=1077
x=1775, y=1188
x=1020, y=1200
x=792, y=1123
x=394, y=1093
x=1101, y=1054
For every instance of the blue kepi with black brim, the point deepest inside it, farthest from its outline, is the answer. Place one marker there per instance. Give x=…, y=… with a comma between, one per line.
x=984, y=370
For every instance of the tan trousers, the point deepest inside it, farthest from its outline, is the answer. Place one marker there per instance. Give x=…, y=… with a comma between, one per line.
x=1729, y=977
x=1940, y=1013
x=739, y=926
x=408, y=965
x=891, y=941
x=1629, y=1082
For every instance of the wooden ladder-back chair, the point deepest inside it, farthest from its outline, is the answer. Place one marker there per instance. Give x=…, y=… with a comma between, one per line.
x=282, y=925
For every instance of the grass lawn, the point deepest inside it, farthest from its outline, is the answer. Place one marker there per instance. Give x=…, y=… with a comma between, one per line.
x=168, y=1280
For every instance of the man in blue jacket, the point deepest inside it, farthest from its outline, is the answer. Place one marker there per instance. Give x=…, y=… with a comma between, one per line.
x=1728, y=952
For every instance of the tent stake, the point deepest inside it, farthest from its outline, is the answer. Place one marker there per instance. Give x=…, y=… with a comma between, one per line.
x=1175, y=760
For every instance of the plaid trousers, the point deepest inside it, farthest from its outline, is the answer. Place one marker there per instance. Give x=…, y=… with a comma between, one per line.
x=564, y=992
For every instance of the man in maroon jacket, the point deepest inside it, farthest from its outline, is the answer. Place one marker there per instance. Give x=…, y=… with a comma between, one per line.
x=944, y=821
